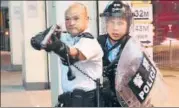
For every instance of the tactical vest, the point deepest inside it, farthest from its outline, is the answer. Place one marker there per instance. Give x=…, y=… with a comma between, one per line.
x=109, y=68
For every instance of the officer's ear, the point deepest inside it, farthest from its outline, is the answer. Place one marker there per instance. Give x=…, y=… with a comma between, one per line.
x=88, y=18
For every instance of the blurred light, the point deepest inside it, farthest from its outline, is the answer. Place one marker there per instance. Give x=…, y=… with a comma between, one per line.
x=6, y=33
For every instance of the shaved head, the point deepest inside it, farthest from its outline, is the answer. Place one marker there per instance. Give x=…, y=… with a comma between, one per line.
x=79, y=7
x=76, y=18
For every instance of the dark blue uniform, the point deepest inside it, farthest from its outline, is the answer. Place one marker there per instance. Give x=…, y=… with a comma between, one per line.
x=110, y=61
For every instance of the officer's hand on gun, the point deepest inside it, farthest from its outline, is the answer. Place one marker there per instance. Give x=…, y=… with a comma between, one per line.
x=47, y=39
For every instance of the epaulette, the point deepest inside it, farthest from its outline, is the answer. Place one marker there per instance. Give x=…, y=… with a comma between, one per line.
x=86, y=35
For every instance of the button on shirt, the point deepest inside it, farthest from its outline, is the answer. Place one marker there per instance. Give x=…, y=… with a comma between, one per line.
x=113, y=53
x=91, y=66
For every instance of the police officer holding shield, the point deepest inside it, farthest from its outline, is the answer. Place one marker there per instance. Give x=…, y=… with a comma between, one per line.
x=118, y=17
x=81, y=57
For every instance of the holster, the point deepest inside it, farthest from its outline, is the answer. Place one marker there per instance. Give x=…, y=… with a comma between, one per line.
x=64, y=100
x=77, y=98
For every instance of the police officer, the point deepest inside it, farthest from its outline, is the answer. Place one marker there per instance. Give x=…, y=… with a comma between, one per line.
x=117, y=17
x=81, y=57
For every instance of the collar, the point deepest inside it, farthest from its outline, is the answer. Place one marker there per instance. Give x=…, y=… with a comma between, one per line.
x=86, y=30
x=111, y=46
x=108, y=43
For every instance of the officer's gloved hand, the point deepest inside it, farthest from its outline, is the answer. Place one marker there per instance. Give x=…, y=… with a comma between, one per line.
x=56, y=46
x=60, y=49
x=109, y=72
x=51, y=45
x=54, y=38
x=37, y=39
x=35, y=42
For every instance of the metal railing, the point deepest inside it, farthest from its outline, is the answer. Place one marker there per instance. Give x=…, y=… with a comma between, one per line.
x=167, y=55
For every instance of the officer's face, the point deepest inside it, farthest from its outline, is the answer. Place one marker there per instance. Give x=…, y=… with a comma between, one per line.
x=116, y=27
x=76, y=20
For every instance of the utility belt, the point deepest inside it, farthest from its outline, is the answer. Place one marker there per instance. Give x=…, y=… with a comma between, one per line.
x=77, y=98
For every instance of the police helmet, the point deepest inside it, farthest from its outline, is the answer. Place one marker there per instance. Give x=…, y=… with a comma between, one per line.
x=118, y=9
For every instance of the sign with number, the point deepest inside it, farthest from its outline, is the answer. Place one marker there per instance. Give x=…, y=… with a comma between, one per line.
x=141, y=1
x=144, y=33
x=143, y=12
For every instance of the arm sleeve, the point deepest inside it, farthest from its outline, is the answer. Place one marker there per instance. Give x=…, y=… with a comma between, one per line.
x=90, y=48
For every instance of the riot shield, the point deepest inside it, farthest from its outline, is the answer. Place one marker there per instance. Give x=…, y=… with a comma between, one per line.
x=138, y=82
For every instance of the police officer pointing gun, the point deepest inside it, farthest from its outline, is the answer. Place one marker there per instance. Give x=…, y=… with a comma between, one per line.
x=81, y=57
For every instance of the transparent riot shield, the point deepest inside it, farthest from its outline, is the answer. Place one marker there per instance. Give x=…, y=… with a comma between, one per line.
x=138, y=82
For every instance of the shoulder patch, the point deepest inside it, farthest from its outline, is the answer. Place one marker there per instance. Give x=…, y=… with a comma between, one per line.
x=86, y=35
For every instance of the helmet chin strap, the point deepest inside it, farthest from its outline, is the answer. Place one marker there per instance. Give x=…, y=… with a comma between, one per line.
x=118, y=39
x=113, y=39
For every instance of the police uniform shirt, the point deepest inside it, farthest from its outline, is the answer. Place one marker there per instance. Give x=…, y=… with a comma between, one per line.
x=113, y=53
x=91, y=66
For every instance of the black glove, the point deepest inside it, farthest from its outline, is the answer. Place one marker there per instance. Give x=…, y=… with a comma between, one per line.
x=109, y=71
x=60, y=49
x=52, y=43
x=36, y=40
x=108, y=68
